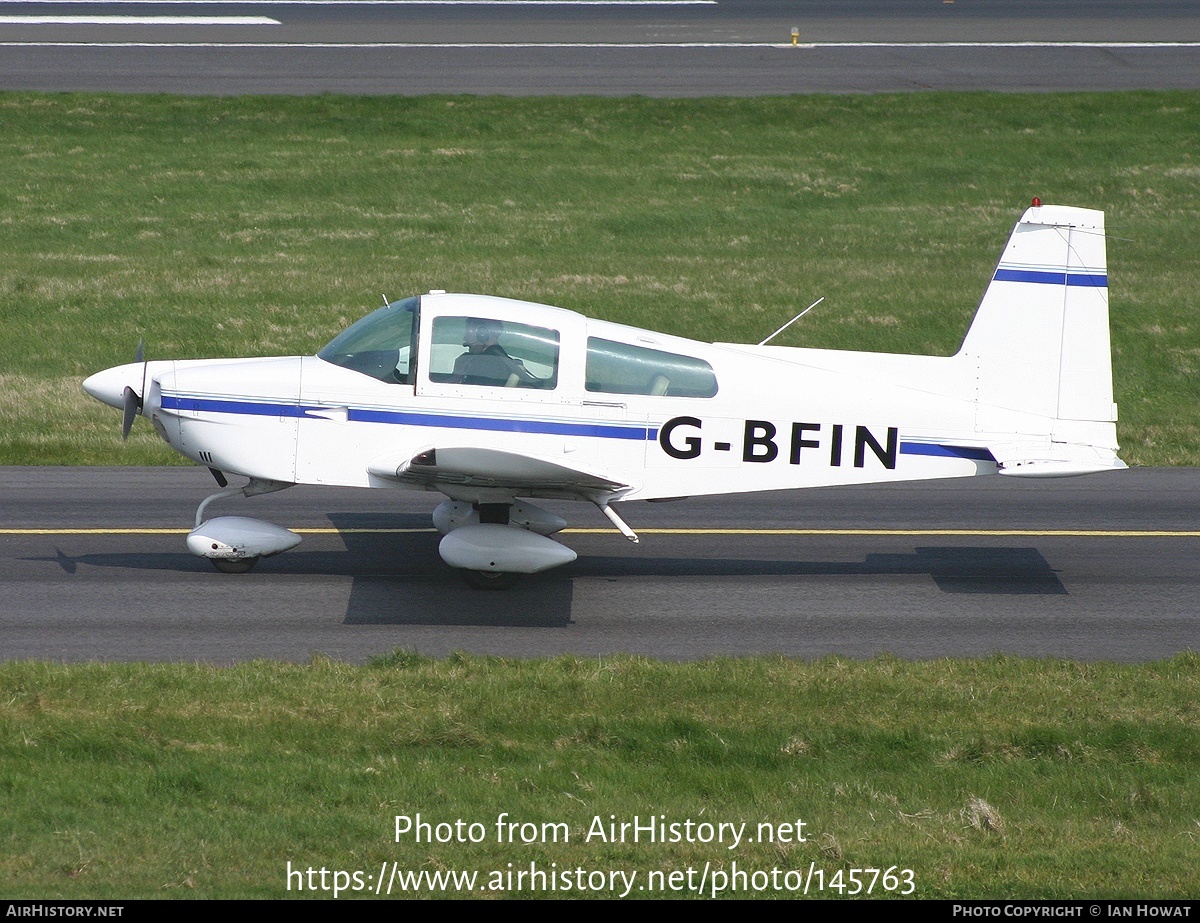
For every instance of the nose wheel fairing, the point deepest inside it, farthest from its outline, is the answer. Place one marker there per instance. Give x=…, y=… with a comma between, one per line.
x=235, y=543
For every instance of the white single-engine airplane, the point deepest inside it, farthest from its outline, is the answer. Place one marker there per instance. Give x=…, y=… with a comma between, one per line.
x=493, y=401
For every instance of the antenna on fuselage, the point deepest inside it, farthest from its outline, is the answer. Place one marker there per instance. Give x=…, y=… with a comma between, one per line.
x=385, y=301
x=792, y=321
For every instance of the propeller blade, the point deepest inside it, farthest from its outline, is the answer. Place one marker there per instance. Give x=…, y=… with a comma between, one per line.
x=133, y=404
x=133, y=400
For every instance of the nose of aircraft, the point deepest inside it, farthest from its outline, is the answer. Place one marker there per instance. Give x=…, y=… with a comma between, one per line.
x=109, y=386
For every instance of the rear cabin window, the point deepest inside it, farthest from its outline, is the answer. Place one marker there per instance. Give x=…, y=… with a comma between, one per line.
x=620, y=368
x=493, y=353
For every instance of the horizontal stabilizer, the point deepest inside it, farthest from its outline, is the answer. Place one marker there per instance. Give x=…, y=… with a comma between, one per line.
x=1057, y=468
x=1053, y=460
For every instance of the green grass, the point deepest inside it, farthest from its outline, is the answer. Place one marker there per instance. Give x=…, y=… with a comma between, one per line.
x=993, y=778
x=252, y=226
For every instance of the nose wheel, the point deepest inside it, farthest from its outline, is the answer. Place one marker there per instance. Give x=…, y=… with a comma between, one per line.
x=234, y=565
x=490, y=579
x=235, y=543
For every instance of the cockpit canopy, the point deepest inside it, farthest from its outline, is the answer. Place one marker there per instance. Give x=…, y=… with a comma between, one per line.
x=469, y=345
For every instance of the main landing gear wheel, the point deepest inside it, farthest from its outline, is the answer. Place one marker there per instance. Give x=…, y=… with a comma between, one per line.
x=490, y=579
x=234, y=565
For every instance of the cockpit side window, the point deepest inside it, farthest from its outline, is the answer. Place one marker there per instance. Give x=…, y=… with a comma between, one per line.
x=494, y=353
x=382, y=345
x=622, y=368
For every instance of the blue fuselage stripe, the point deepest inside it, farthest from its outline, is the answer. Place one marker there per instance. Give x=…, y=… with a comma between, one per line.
x=502, y=425
x=1052, y=277
x=212, y=405
x=946, y=451
x=411, y=418
x=491, y=424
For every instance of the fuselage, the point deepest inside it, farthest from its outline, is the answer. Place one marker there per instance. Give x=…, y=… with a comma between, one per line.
x=663, y=416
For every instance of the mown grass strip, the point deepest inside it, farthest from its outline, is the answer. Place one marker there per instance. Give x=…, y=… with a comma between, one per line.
x=989, y=778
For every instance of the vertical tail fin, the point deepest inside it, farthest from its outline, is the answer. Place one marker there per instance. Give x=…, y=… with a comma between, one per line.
x=1040, y=336
x=1039, y=342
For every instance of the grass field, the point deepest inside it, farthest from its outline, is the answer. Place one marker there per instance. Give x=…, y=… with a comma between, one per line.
x=246, y=226
x=995, y=778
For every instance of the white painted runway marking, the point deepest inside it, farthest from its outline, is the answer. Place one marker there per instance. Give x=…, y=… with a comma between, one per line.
x=387, y=2
x=1001, y=45
x=397, y=45
x=614, y=45
x=138, y=21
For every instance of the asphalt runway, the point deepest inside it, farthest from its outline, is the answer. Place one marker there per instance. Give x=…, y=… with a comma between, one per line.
x=1106, y=567
x=604, y=47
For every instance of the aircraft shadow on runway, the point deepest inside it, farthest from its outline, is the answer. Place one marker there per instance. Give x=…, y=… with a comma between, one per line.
x=398, y=578
x=432, y=599
x=954, y=569
x=545, y=600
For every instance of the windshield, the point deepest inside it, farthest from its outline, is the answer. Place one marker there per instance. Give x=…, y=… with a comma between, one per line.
x=381, y=345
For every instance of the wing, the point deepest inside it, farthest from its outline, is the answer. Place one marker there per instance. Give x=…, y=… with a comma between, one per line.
x=459, y=470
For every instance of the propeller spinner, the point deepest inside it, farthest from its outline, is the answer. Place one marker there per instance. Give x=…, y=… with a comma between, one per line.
x=115, y=387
